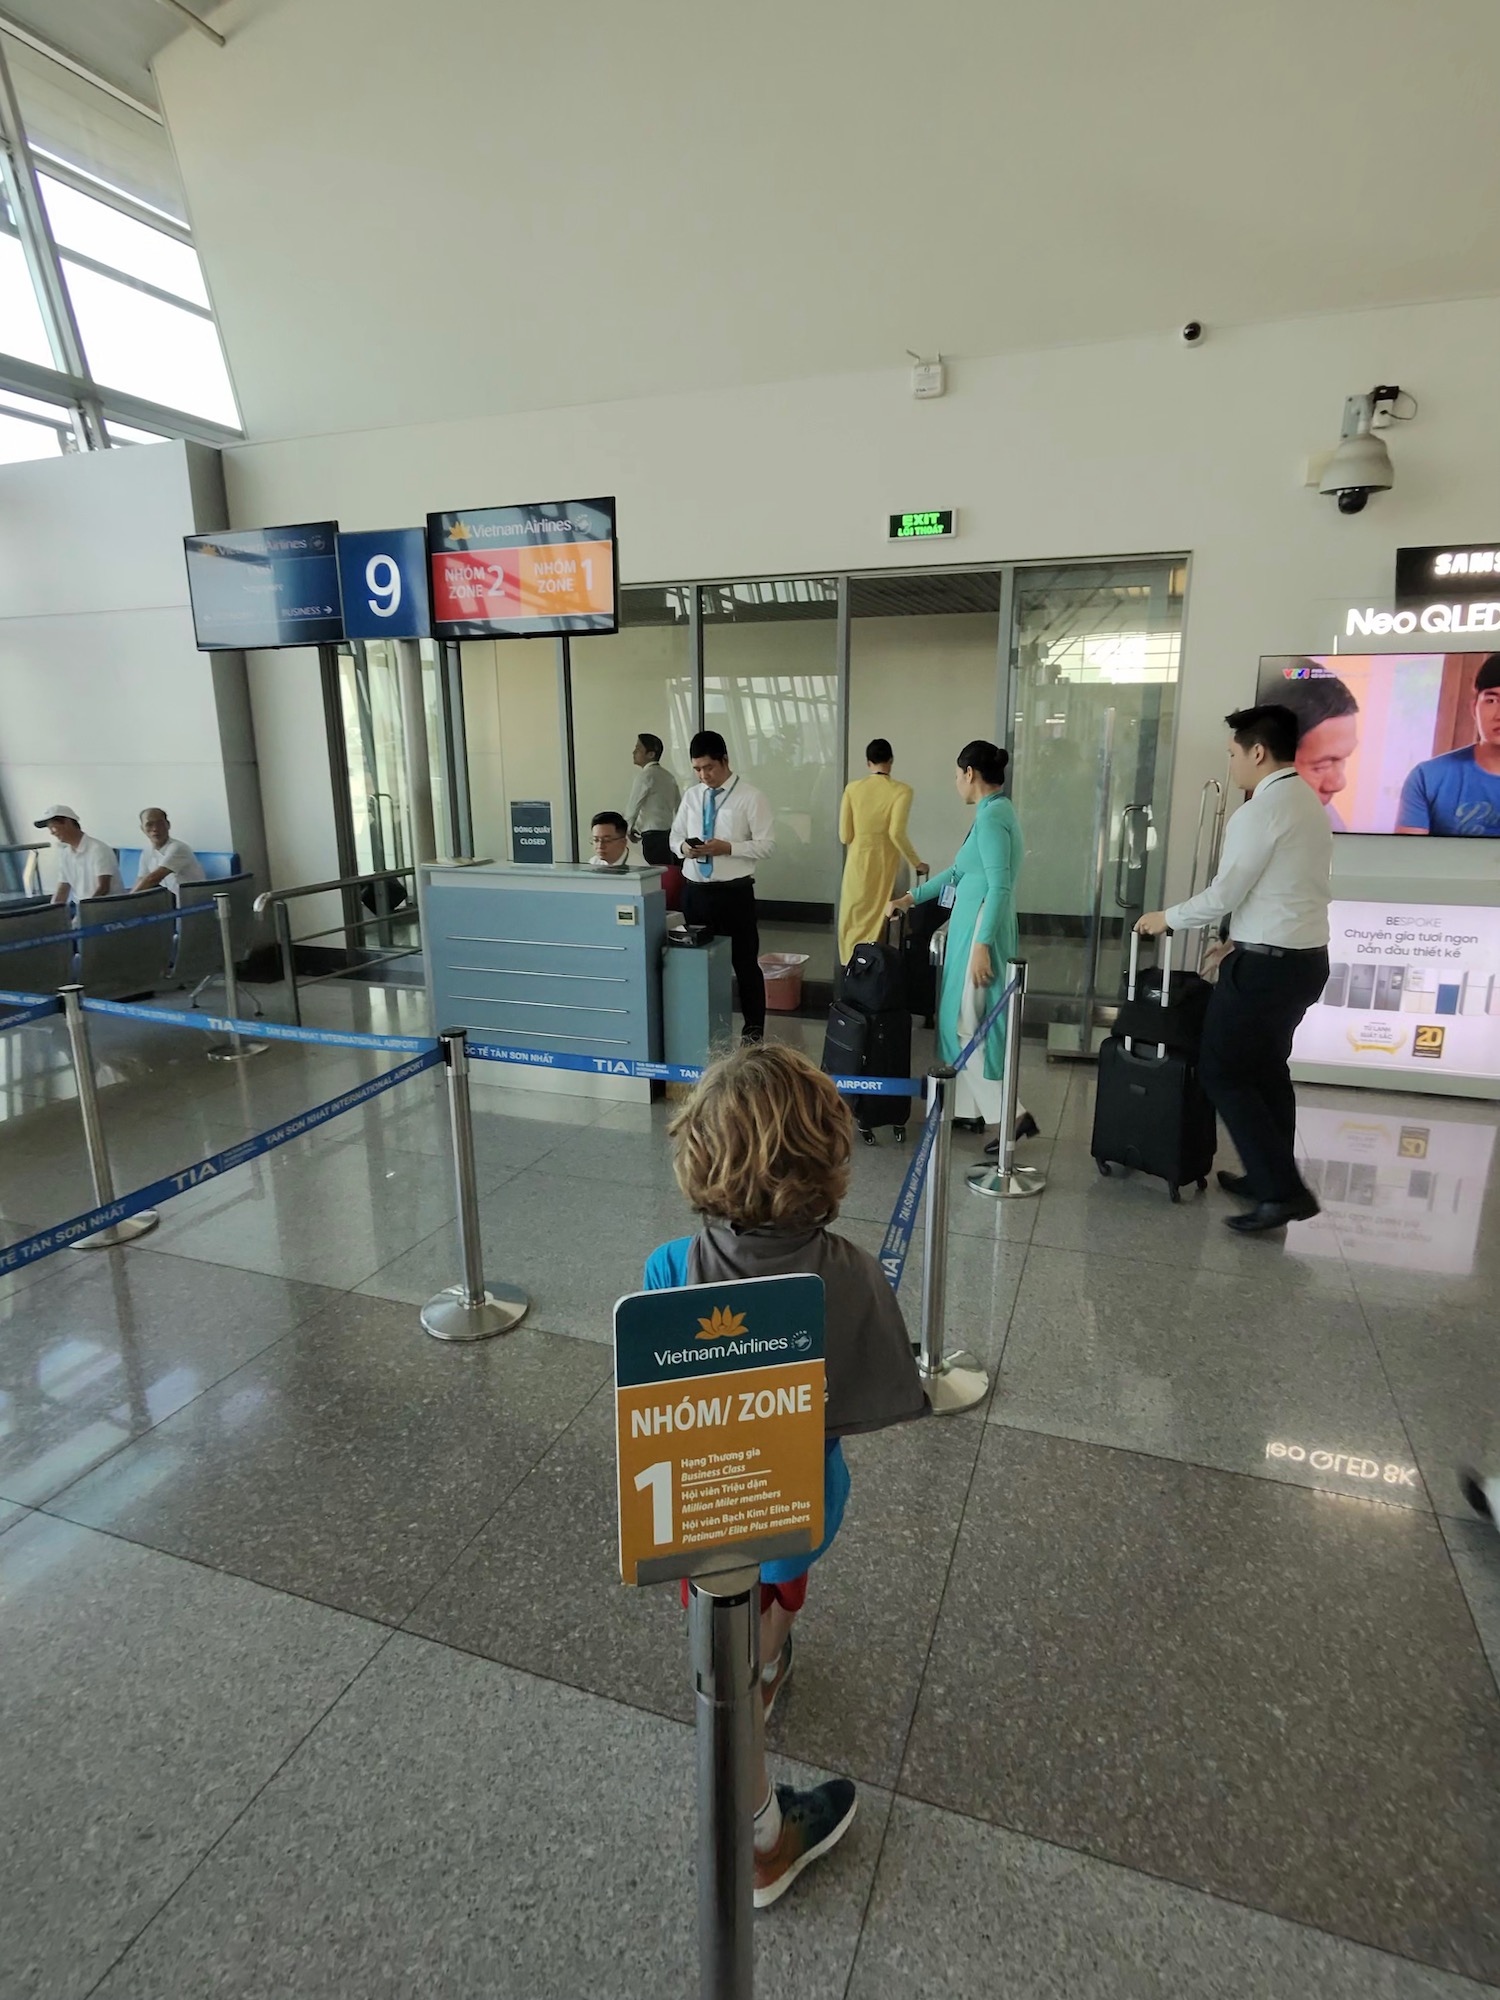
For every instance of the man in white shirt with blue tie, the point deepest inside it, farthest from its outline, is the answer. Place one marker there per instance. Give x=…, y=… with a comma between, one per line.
x=1273, y=885
x=722, y=829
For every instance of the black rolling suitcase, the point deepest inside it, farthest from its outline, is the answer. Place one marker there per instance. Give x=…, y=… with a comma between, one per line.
x=1150, y=1111
x=873, y=1044
x=920, y=925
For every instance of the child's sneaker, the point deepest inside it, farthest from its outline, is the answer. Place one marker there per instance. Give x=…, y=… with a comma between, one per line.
x=772, y=1684
x=811, y=1823
x=1482, y=1494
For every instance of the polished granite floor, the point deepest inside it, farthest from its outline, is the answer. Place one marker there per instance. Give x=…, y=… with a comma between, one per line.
x=1169, y=1671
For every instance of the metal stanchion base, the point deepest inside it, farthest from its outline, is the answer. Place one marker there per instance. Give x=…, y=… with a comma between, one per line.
x=1003, y=1186
x=236, y=1052
x=120, y=1232
x=447, y=1317
x=955, y=1384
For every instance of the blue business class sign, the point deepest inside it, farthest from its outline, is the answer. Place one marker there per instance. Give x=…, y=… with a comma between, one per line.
x=383, y=578
x=265, y=587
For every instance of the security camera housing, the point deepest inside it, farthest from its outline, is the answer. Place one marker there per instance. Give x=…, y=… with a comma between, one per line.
x=1191, y=335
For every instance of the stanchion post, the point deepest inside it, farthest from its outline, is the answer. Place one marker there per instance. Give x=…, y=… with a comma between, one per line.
x=236, y=1049
x=1005, y=1181
x=469, y=1310
x=959, y=1383
x=133, y=1226
x=724, y=1632
x=288, y=969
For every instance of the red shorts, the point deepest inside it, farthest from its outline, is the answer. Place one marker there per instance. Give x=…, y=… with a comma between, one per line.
x=790, y=1596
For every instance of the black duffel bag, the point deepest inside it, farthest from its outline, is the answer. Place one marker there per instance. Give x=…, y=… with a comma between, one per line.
x=1179, y=1024
x=874, y=980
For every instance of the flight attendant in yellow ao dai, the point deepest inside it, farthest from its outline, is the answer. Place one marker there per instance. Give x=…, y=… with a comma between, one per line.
x=872, y=826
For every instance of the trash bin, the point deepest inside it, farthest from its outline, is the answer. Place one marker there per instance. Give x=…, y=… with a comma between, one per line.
x=783, y=971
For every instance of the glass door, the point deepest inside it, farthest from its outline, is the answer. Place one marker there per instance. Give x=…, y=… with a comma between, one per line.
x=1095, y=656
x=380, y=806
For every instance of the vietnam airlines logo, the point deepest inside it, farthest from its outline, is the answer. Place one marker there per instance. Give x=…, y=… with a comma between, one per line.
x=721, y=1324
x=460, y=531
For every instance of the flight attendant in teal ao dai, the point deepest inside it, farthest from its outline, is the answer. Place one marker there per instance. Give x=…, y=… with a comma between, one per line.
x=982, y=932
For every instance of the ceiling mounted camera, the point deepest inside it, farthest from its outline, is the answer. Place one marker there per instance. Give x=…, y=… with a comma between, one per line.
x=1192, y=334
x=1361, y=464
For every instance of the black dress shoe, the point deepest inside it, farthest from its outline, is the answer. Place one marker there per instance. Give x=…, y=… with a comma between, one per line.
x=1273, y=1215
x=1236, y=1184
x=1026, y=1128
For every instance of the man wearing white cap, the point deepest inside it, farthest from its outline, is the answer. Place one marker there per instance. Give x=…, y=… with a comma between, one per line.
x=86, y=866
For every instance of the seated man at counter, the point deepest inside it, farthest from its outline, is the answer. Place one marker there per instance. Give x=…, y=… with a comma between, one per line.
x=611, y=841
x=165, y=862
x=86, y=865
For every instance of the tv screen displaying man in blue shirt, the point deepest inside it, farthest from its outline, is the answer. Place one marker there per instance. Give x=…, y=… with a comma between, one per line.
x=1459, y=792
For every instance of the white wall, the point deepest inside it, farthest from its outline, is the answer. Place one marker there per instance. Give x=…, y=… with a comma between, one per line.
x=1133, y=447
x=486, y=205
x=105, y=702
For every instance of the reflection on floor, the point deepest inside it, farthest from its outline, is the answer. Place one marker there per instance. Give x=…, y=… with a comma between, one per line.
x=1172, y=1671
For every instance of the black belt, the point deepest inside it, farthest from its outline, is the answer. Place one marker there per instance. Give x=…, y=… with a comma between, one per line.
x=1280, y=950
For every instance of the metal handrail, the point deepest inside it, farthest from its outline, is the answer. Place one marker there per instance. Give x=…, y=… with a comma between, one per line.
x=31, y=874
x=276, y=901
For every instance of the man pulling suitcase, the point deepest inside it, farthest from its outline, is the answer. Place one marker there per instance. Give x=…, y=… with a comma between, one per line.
x=1273, y=885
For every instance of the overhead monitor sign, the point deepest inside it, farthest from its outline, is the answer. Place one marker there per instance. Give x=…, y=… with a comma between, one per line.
x=526, y=572
x=260, y=588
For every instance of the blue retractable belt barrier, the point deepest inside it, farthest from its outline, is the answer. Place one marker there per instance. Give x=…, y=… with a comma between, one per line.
x=108, y=930
x=38, y=1011
x=984, y=1027
x=654, y=1072
x=47, y=1241
x=223, y=1024
x=904, y=1215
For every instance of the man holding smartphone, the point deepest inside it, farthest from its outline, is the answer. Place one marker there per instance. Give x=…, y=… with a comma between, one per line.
x=722, y=829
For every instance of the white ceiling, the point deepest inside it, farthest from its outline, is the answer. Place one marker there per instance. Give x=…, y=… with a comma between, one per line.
x=116, y=39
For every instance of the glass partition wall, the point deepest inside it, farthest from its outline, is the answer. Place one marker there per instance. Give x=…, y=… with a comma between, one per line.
x=1072, y=666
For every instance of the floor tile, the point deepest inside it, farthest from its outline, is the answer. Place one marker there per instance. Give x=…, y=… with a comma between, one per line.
x=351, y=1462
x=540, y=1589
x=1271, y=1694
x=1475, y=1549
x=11, y=1511
x=143, y=1702
x=1444, y=1367
x=331, y=1216
x=970, y=1911
x=456, y=1831
x=1191, y=1364
x=574, y=1247
x=88, y=1364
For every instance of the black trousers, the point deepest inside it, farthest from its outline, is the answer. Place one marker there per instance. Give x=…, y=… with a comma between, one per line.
x=727, y=909
x=656, y=849
x=1244, y=1063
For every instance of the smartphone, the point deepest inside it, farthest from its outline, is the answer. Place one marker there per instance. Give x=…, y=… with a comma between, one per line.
x=1338, y=986
x=1361, y=985
x=1388, y=983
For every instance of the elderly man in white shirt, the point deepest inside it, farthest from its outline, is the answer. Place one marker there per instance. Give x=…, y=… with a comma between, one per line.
x=86, y=865
x=165, y=862
x=722, y=828
x=1273, y=885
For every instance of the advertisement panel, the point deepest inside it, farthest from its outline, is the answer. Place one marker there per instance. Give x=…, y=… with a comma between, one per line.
x=1396, y=742
x=527, y=572
x=1410, y=990
x=259, y=588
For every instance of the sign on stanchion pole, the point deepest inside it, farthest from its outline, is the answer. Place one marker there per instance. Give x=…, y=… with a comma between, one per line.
x=471, y=1309
x=719, y=1393
x=111, y=1237
x=1005, y=1181
x=955, y=1382
x=236, y=1049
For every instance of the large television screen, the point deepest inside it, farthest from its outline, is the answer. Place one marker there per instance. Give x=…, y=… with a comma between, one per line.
x=1396, y=742
x=265, y=587
x=529, y=572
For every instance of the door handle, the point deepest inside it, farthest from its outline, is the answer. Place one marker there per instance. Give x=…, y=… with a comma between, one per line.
x=1134, y=819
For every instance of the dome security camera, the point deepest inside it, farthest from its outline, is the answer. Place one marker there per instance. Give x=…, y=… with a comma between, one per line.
x=1361, y=465
x=1192, y=334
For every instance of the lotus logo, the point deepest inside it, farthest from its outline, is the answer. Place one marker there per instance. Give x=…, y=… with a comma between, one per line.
x=721, y=1324
x=460, y=531
x=801, y=1342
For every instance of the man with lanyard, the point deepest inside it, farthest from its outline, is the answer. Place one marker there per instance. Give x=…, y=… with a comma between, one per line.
x=722, y=828
x=1273, y=886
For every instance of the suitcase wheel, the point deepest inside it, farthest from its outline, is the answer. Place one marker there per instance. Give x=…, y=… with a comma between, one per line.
x=1104, y=1167
x=867, y=1135
x=1175, y=1192
x=1203, y=1187
x=900, y=1133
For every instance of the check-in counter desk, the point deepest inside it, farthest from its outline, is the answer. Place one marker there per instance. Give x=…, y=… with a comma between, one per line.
x=557, y=959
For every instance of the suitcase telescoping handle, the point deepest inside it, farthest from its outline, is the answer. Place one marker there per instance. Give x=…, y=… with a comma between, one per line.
x=1164, y=959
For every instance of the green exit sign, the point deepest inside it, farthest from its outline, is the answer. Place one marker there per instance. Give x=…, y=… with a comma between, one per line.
x=919, y=527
